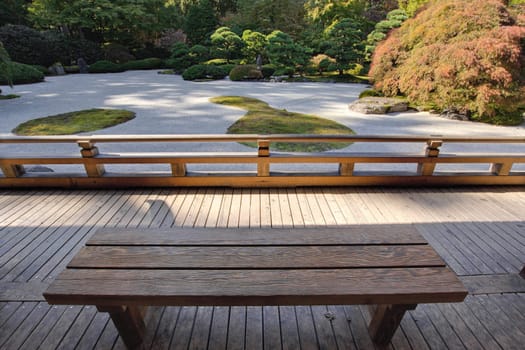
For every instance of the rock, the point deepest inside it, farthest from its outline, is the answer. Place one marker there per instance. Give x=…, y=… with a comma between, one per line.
x=39, y=169
x=378, y=105
x=82, y=66
x=57, y=69
x=454, y=115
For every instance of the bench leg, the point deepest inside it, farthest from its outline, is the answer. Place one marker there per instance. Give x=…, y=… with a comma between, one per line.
x=386, y=320
x=129, y=321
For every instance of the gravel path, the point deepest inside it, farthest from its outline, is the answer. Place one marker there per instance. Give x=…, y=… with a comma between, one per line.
x=166, y=104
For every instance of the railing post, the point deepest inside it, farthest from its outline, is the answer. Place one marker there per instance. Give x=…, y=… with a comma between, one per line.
x=178, y=169
x=263, y=153
x=89, y=150
x=500, y=168
x=346, y=169
x=431, y=151
x=13, y=170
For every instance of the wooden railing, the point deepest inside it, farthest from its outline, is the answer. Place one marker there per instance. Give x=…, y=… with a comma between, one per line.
x=501, y=167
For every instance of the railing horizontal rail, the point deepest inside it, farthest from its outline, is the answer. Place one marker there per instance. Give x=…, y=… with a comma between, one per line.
x=502, y=167
x=254, y=138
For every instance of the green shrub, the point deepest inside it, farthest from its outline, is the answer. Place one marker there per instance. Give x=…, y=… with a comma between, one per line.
x=267, y=70
x=198, y=53
x=23, y=74
x=245, y=72
x=204, y=71
x=457, y=55
x=195, y=72
x=178, y=64
x=39, y=68
x=179, y=50
x=227, y=68
x=289, y=71
x=219, y=72
x=147, y=63
x=105, y=67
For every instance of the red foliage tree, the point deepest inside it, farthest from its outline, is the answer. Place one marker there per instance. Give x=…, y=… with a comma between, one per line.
x=457, y=54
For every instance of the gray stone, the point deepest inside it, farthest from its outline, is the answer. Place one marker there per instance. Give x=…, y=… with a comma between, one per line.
x=378, y=105
x=57, y=69
x=453, y=114
x=39, y=169
x=82, y=65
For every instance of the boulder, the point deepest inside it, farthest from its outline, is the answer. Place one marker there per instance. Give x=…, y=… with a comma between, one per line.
x=56, y=69
x=454, y=114
x=378, y=105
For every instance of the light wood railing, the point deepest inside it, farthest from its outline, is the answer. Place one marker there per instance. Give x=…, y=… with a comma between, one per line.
x=502, y=168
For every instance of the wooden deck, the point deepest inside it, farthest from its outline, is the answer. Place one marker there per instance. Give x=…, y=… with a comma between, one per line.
x=478, y=231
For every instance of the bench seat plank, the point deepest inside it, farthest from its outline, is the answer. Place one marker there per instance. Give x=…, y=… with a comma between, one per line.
x=255, y=257
x=256, y=287
x=343, y=235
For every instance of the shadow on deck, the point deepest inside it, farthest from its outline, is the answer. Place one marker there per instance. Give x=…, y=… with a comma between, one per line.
x=478, y=231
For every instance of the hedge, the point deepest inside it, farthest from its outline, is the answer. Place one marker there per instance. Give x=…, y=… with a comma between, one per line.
x=203, y=71
x=245, y=72
x=23, y=74
x=106, y=67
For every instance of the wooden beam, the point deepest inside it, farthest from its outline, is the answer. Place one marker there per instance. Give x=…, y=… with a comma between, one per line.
x=431, y=151
x=178, y=169
x=89, y=150
x=237, y=181
x=129, y=322
x=501, y=168
x=12, y=170
x=346, y=169
x=385, y=321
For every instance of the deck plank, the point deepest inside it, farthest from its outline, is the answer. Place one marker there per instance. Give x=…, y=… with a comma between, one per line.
x=166, y=326
x=237, y=328
x=219, y=327
x=271, y=328
x=26, y=325
x=476, y=230
x=39, y=333
x=254, y=328
x=289, y=330
x=495, y=326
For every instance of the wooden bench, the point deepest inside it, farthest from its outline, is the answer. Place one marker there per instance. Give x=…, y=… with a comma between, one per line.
x=122, y=271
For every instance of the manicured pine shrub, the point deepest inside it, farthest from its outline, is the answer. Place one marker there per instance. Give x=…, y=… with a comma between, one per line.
x=227, y=68
x=245, y=72
x=204, y=71
x=268, y=70
x=106, y=67
x=457, y=55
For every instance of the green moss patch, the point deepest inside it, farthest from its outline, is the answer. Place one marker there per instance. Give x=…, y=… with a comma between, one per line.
x=74, y=122
x=8, y=97
x=263, y=119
